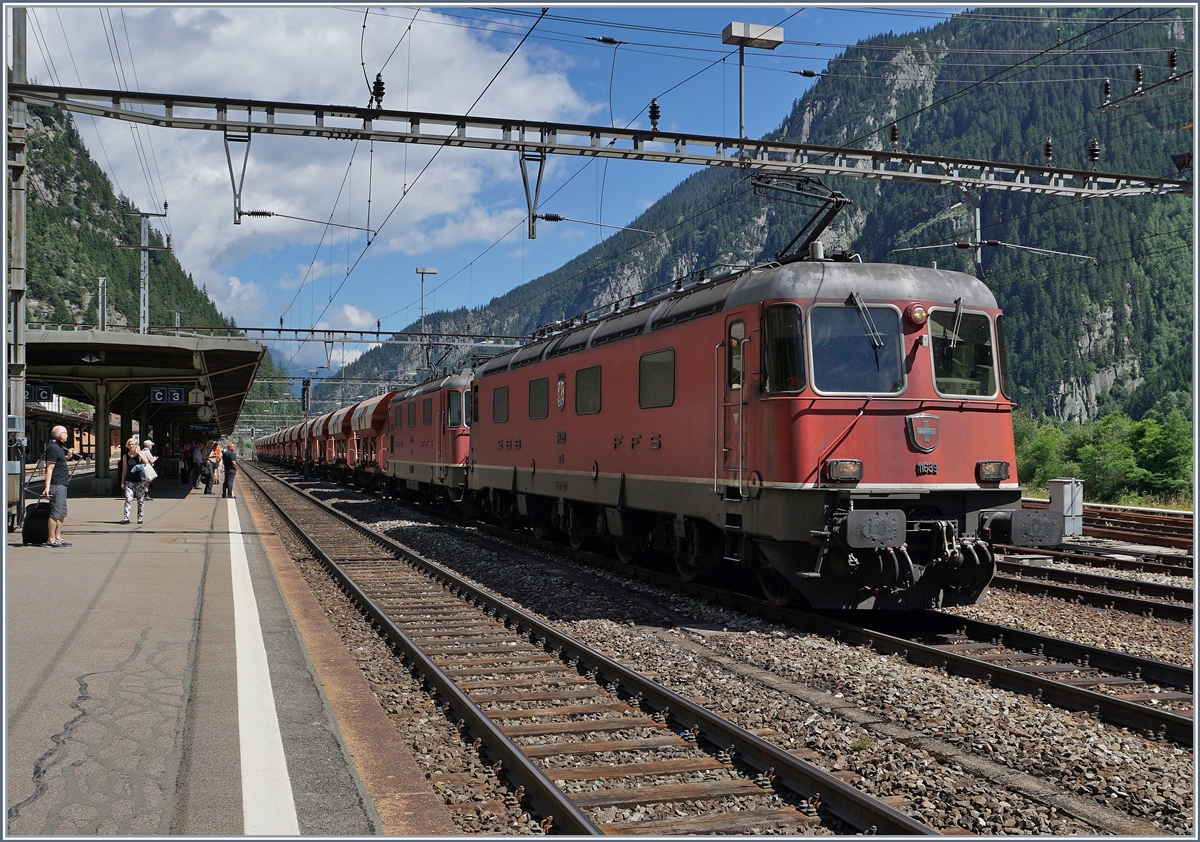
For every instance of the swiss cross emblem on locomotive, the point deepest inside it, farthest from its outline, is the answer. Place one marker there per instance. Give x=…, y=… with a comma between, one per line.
x=923, y=431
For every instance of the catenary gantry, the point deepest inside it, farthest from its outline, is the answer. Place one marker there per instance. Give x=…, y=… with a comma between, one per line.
x=242, y=118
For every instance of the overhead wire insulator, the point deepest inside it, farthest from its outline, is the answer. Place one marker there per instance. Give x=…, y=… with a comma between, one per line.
x=655, y=113
x=550, y=217
x=605, y=39
x=807, y=74
x=1173, y=60
x=377, y=90
x=1138, y=76
x=1093, y=151
x=1107, y=91
x=1048, y=150
x=894, y=135
x=262, y=213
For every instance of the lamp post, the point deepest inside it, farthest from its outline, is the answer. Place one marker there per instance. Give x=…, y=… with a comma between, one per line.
x=749, y=35
x=423, y=271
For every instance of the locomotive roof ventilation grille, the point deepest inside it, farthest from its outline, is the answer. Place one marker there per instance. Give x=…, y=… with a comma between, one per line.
x=574, y=341
x=528, y=354
x=497, y=364
x=618, y=327
x=699, y=302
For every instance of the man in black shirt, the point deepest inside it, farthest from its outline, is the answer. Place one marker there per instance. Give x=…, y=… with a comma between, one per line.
x=57, y=478
x=230, y=463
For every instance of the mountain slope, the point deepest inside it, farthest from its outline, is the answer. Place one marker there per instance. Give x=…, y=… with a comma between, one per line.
x=1083, y=337
x=75, y=227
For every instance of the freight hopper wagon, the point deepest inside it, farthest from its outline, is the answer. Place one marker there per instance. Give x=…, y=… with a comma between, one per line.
x=839, y=430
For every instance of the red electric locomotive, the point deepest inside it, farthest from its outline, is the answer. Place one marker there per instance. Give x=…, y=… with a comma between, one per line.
x=429, y=437
x=841, y=430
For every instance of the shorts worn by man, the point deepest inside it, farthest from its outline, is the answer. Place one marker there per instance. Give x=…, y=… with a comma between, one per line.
x=230, y=462
x=58, y=476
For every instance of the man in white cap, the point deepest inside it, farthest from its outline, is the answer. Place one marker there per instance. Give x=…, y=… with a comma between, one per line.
x=58, y=476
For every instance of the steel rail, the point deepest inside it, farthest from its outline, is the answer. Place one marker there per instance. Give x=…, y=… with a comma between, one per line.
x=1096, y=559
x=837, y=797
x=1157, y=672
x=1127, y=714
x=1097, y=599
x=1117, y=711
x=549, y=800
x=1095, y=580
x=534, y=137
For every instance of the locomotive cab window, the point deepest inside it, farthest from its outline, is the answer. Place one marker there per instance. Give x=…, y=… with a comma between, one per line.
x=454, y=413
x=736, y=354
x=539, y=398
x=587, y=390
x=963, y=362
x=856, y=349
x=468, y=405
x=427, y=412
x=500, y=404
x=783, y=348
x=656, y=379
x=412, y=413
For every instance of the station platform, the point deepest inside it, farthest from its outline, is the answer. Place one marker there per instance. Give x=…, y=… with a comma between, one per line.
x=179, y=677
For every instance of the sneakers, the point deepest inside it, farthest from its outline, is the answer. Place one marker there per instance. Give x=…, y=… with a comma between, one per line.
x=125, y=521
x=58, y=544
x=139, y=520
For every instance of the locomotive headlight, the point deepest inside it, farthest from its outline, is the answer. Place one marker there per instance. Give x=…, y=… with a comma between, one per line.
x=844, y=470
x=917, y=314
x=991, y=471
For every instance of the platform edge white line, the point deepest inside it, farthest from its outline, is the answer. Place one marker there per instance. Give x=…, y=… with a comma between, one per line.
x=268, y=808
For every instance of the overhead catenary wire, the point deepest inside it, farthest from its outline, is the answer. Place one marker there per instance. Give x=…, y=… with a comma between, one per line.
x=582, y=168
x=95, y=125
x=149, y=137
x=656, y=48
x=429, y=163
x=1019, y=65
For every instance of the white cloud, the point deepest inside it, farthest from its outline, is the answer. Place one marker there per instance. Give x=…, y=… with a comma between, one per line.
x=306, y=55
x=243, y=300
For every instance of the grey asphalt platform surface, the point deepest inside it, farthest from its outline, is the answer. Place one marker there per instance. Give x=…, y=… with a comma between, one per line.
x=121, y=680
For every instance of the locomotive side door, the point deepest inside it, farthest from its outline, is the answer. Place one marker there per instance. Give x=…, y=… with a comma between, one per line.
x=441, y=434
x=733, y=379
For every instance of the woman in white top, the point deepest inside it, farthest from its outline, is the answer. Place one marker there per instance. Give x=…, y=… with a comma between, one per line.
x=133, y=477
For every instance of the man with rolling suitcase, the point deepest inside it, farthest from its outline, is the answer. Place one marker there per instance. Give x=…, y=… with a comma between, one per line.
x=58, y=477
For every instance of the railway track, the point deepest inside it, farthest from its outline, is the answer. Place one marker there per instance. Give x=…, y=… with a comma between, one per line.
x=1166, y=565
x=1168, y=602
x=1156, y=527
x=574, y=731
x=1147, y=696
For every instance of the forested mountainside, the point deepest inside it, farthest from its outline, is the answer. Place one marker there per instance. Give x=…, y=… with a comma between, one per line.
x=75, y=227
x=1085, y=338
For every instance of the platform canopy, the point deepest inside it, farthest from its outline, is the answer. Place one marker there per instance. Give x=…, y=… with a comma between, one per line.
x=181, y=386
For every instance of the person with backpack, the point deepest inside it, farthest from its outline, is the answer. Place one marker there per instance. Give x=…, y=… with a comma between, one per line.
x=230, y=461
x=211, y=462
x=133, y=477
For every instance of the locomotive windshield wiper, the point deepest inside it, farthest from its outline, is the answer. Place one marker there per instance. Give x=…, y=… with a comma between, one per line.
x=957, y=322
x=868, y=322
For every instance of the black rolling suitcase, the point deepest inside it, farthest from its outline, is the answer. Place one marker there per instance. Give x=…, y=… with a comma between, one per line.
x=36, y=528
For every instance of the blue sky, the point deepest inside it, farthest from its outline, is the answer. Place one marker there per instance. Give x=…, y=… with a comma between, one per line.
x=465, y=214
